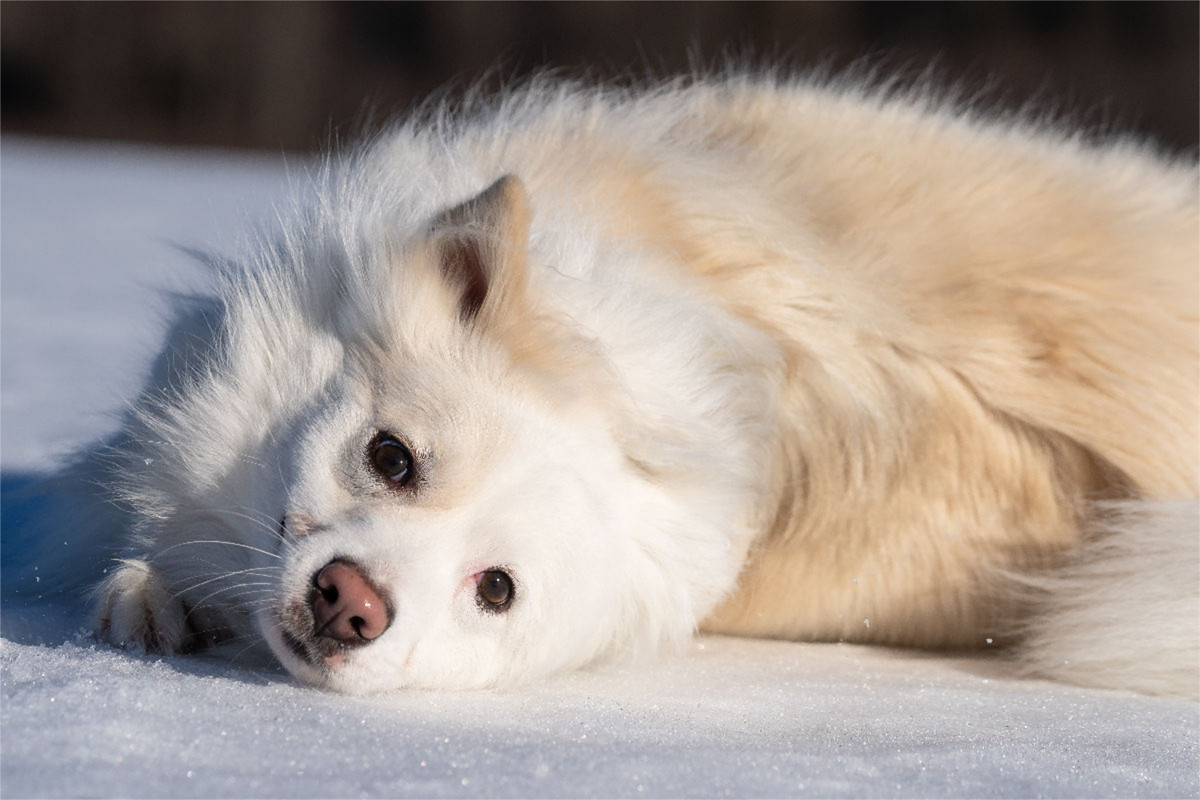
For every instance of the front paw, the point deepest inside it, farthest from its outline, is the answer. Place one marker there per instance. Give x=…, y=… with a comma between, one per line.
x=135, y=610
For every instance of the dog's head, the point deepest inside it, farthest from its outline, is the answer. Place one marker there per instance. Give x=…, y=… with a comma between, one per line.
x=457, y=496
x=447, y=516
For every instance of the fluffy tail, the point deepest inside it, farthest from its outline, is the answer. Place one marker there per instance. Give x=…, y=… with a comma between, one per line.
x=1125, y=614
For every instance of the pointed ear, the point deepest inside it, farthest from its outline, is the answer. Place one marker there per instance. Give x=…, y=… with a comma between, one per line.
x=481, y=246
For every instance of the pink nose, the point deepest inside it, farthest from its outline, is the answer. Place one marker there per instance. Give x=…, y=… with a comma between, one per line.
x=346, y=607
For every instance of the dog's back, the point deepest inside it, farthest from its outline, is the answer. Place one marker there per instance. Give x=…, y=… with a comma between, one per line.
x=992, y=381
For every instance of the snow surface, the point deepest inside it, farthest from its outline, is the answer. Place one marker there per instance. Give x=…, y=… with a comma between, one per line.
x=85, y=252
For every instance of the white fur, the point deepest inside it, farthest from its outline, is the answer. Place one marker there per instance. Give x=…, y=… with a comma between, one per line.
x=1127, y=612
x=857, y=349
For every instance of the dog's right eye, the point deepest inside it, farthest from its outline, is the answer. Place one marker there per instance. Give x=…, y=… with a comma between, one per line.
x=391, y=459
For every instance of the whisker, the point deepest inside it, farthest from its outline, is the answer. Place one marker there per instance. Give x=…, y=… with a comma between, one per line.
x=270, y=528
x=199, y=604
x=266, y=518
x=276, y=527
x=262, y=602
x=221, y=577
x=223, y=570
x=221, y=541
x=243, y=651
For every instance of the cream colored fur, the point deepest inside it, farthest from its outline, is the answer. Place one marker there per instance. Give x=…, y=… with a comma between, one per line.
x=853, y=366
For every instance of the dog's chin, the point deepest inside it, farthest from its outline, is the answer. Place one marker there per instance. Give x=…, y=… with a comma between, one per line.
x=324, y=666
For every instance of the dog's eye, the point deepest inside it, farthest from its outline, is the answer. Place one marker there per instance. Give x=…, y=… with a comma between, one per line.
x=391, y=459
x=495, y=590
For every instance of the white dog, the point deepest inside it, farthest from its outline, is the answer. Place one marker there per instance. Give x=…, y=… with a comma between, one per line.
x=572, y=374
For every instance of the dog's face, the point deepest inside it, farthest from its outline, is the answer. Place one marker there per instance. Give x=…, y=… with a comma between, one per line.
x=451, y=512
x=443, y=529
x=456, y=490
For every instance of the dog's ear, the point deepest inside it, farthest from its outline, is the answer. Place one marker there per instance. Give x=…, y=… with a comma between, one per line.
x=482, y=246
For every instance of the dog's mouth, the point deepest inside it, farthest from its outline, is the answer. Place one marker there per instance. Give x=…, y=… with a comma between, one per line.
x=319, y=656
x=298, y=630
x=297, y=647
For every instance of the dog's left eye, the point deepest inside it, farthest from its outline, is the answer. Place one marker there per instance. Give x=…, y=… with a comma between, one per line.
x=495, y=589
x=391, y=459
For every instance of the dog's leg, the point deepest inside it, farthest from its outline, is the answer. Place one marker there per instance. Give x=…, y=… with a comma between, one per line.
x=137, y=610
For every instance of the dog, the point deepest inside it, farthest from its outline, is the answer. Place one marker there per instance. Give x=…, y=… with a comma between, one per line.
x=567, y=375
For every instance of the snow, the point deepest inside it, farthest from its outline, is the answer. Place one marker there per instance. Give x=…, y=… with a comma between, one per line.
x=85, y=252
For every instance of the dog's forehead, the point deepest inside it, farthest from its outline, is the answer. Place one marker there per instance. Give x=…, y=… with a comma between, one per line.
x=460, y=409
x=446, y=389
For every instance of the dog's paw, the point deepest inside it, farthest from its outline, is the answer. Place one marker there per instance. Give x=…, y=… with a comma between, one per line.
x=136, y=610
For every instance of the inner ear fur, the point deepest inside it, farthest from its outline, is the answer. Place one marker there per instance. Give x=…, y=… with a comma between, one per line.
x=482, y=246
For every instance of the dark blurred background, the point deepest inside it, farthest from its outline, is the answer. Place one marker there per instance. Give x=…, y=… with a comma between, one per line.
x=286, y=75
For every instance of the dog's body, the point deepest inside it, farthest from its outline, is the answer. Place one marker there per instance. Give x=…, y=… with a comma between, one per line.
x=767, y=360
